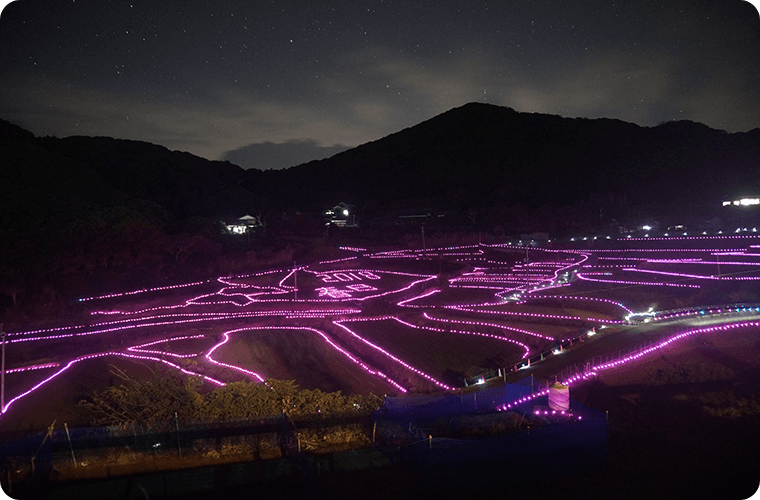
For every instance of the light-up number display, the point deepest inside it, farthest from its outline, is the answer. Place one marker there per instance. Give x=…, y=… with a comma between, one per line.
x=335, y=293
x=347, y=276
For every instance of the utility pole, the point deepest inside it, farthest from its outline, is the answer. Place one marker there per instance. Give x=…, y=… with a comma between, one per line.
x=295, y=279
x=423, y=240
x=2, y=373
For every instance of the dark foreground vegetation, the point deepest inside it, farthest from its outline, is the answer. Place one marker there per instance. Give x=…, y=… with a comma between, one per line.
x=168, y=398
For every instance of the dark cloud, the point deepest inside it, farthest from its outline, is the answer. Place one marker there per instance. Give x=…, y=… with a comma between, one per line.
x=268, y=155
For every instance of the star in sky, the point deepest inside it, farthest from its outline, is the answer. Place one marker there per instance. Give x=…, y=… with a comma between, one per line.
x=274, y=84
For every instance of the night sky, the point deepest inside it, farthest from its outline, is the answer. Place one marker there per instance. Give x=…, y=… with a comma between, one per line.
x=273, y=84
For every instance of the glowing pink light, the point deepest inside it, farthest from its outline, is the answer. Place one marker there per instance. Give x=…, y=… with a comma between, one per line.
x=387, y=354
x=520, y=313
x=492, y=325
x=585, y=277
x=99, y=355
x=33, y=367
x=352, y=358
x=145, y=290
x=227, y=365
x=575, y=297
x=466, y=332
x=404, y=303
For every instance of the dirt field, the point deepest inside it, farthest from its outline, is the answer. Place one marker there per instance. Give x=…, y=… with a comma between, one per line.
x=300, y=355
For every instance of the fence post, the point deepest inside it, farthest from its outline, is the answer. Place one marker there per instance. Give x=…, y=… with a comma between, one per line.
x=176, y=424
x=73, y=458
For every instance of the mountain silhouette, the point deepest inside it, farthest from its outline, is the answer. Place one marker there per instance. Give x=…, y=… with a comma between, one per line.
x=481, y=154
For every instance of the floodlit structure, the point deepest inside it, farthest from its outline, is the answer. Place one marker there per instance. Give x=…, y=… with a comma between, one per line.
x=559, y=397
x=243, y=225
x=742, y=202
x=342, y=215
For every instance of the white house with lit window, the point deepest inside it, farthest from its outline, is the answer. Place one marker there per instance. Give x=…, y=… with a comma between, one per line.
x=342, y=215
x=244, y=224
x=742, y=202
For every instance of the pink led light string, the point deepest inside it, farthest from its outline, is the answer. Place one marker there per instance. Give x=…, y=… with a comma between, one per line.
x=467, y=332
x=695, y=276
x=546, y=287
x=405, y=303
x=491, y=325
x=33, y=367
x=691, y=238
x=519, y=313
x=249, y=373
x=144, y=290
x=585, y=277
x=227, y=365
x=633, y=357
x=386, y=353
x=367, y=297
x=99, y=355
x=576, y=297
x=234, y=295
x=141, y=348
x=634, y=250
x=706, y=311
x=192, y=319
x=593, y=371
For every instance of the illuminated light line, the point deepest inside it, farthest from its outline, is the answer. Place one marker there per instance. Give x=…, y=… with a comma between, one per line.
x=194, y=318
x=356, y=299
x=140, y=348
x=584, y=276
x=518, y=313
x=486, y=287
x=368, y=272
x=650, y=250
x=227, y=365
x=108, y=330
x=667, y=273
x=676, y=261
x=33, y=367
x=737, y=253
x=389, y=355
x=670, y=238
x=99, y=355
x=144, y=290
x=404, y=303
x=467, y=332
x=352, y=358
x=120, y=328
x=357, y=361
x=622, y=258
x=698, y=276
x=476, y=323
x=338, y=260
x=353, y=249
x=706, y=311
x=549, y=287
x=495, y=325
x=665, y=343
x=177, y=367
x=575, y=297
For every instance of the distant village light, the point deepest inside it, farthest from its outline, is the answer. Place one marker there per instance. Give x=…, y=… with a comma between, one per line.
x=743, y=202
